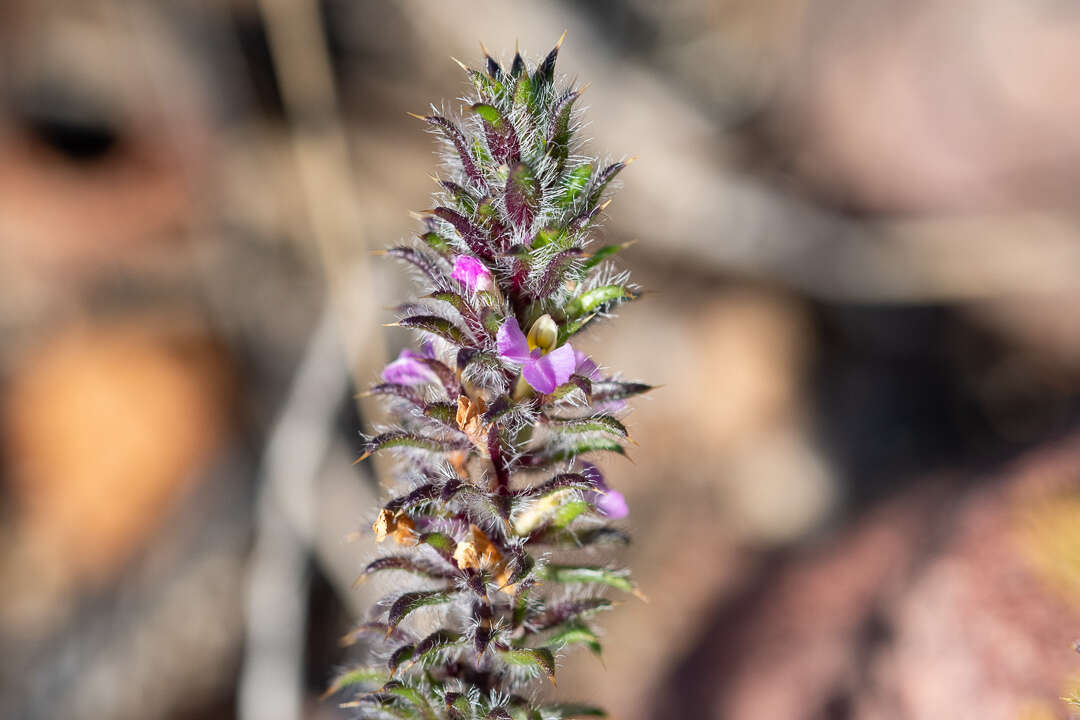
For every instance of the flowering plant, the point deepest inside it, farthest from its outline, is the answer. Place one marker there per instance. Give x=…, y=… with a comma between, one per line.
x=492, y=421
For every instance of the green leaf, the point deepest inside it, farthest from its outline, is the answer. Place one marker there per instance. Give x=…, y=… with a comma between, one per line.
x=606, y=176
x=454, y=136
x=436, y=325
x=540, y=510
x=399, y=656
x=575, y=184
x=362, y=675
x=547, y=236
x=596, y=423
x=406, y=564
x=441, y=542
x=398, y=439
x=609, y=390
x=428, y=649
x=521, y=604
x=569, y=512
x=481, y=152
x=444, y=412
x=524, y=96
x=412, y=601
x=437, y=243
x=522, y=195
x=618, y=579
x=577, y=633
x=568, y=711
x=593, y=536
x=600, y=255
x=489, y=113
x=558, y=141
x=570, y=611
x=572, y=450
x=539, y=659
x=592, y=300
x=486, y=211
x=412, y=695
x=567, y=388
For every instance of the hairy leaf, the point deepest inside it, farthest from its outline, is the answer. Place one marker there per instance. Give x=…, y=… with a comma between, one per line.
x=362, y=675
x=574, y=186
x=592, y=300
x=398, y=439
x=553, y=273
x=569, y=512
x=398, y=390
x=428, y=649
x=568, y=711
x=399, y=656
x=566, y=611
x=436, y=325
x=541, y=659
x=595, y=423
x=426, y=265
x=473, y=237
x=407, y=564
x=606, y=176
x=558, y=140
x=603, y=254
x=576, y=633
x=588, y=574
x=444, y=412
x=412, y=601
x=562, y=481
x=414, y=696
x=500, y=134
x=522, y=195
x=571, y=450
x=609, y=390
x=437, y=242
x=458, y=141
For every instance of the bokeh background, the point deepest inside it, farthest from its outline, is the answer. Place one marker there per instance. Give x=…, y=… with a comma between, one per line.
x=857, y=494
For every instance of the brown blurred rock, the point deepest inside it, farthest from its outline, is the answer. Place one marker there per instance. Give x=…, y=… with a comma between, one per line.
x=941, y=604
x=104, y=427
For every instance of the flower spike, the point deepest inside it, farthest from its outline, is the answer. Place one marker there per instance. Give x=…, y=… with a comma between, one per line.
x=495, y=414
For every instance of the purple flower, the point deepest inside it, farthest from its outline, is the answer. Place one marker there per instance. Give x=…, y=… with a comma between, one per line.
x=544, y=367
x=607, y=502
x=409, y=369
x=472, y=273
x=584, y=366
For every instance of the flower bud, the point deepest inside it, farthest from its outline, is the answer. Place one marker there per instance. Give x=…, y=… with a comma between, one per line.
x=543, y=334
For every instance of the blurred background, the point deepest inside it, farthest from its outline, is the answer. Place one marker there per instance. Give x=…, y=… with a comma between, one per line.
x=857, y=494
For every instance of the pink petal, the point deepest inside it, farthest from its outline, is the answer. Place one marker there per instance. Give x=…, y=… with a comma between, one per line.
x=607, y=502
x=540, y=375
x=611, y=407
x=562, y=362
x=471, y=273
x=611, y=504
x=408, y=370
x=512, y=343
x=583, y=365
x=550, y=371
